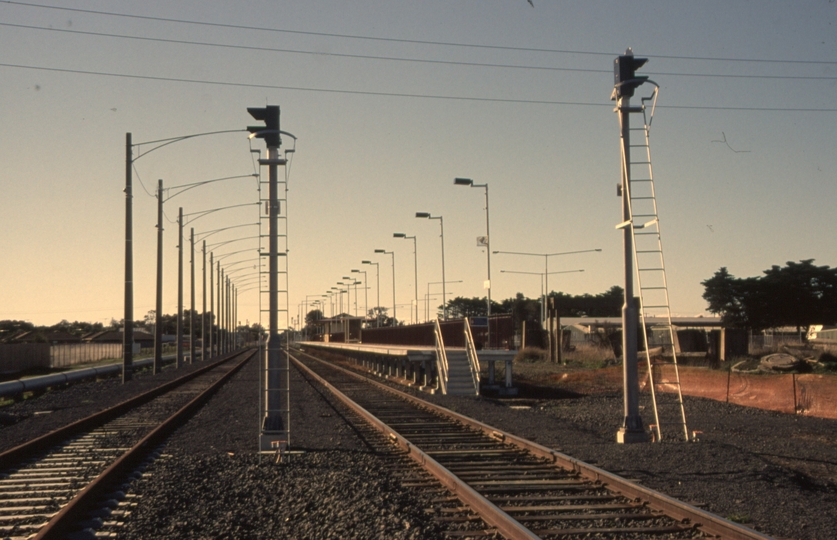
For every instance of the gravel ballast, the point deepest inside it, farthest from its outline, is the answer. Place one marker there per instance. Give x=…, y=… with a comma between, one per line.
x=776, y=473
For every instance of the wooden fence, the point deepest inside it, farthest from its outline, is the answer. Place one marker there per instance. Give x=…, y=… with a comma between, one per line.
x=17, y=357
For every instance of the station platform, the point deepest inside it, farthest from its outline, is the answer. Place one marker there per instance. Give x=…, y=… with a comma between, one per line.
x=414, y=365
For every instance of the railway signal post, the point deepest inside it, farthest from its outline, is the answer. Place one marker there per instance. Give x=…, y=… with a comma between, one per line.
x=625, y=82
x=274, y=429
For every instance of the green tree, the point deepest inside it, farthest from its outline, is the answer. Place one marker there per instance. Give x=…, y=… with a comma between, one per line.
x=799, y=294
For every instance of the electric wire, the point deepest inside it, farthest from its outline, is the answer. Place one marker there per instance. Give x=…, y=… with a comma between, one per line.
x=412, y=60
x=400, y=94
x=398, y=40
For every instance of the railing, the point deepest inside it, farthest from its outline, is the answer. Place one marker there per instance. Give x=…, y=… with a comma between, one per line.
x=441, y=359
x=473, y=359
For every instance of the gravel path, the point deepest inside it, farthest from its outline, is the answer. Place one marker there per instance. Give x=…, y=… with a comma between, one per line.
x=775, y=472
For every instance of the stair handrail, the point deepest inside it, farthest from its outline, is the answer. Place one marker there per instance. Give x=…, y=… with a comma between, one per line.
x=441, y=358
x=473, y=359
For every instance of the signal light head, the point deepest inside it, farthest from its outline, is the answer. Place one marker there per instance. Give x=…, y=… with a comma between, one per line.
x=270, y=131
x=625, y=79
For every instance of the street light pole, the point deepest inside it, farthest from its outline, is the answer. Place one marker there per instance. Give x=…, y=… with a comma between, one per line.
x=378, y=294
x=546, y=257
x=444, y=290
x=487, y=244
x=394, y=319
x=415, y=264
x=427, y=297
x=365, y=292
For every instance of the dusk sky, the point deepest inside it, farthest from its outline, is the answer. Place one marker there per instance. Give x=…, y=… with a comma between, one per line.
x=390, y=101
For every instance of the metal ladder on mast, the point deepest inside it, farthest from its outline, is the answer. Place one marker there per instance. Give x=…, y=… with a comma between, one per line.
x=649, y=265
x=284, y=322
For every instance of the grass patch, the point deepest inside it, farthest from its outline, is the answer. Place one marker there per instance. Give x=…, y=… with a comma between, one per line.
x=739, y=518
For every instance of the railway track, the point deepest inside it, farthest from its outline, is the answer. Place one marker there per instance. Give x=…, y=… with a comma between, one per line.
x=50, y=485
x=502, y=484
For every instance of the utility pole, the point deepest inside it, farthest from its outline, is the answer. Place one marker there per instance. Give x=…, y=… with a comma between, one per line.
x=128, y=319
x=192, y=335
x=180, y=288
x=158, y=306
x=625, y=82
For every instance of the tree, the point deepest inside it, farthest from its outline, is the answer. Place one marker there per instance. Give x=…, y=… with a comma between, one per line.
x=799, y=294
x=313, y=316
x=606, y=304
x=379, y=314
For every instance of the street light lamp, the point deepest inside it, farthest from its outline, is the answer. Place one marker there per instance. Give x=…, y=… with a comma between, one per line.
x=541, y=274
x=427, y=298
x=546, y=272
x=394, y=320
x=353, y=282
x=378, y=279
x=415, y=262
x=484, y=241
x=365, y=292
x=442, y=226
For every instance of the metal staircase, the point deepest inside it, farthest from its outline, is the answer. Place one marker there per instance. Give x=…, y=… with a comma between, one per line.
x=455, y=367
x=650, y=271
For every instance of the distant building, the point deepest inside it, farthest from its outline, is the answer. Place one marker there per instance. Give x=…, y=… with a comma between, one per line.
x=112, y=336
x=44, y=336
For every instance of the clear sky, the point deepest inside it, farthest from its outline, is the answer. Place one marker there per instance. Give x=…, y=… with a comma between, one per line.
x=391, y=100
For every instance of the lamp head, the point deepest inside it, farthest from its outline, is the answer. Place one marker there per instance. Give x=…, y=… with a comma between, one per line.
x=463, y=182
x=380, y=251
x=365, y=262
x=422, y=215
x=399, y=235
x=355, y=270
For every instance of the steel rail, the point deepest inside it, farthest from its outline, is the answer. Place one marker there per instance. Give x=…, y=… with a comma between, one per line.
x=509, y=527
x=65, y=520
x=46, y=441
x=707, y=522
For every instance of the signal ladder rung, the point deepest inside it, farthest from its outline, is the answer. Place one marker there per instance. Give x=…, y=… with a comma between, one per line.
x=653, y=288
x=649, y=251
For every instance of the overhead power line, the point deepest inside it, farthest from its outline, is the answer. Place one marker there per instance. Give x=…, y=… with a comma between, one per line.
x=396, y=40
x=396, y=59
x=393, y=94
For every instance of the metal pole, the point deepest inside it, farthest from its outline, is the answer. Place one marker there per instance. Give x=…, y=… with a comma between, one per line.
x=158, y=307
x=211, y=304
x=488, y=265
x=203, y=308
x=394, y=320
x=192, y=334
x=228, y=302
x=632, y=428
x=222, y=312
x=273, y=419
x=180, y=288
x=415, y=276
x=128, y=319
x=444, y=287
x=219, y=340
